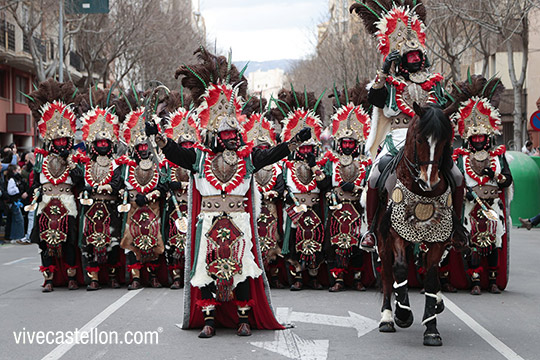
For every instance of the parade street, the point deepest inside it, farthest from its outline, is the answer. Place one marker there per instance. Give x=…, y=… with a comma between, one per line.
x=326, y=325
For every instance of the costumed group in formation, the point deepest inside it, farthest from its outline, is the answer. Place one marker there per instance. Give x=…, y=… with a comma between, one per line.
x=227, y=206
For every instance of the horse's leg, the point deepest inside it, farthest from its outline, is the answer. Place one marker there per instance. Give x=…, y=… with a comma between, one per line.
x=403, y=315
x=387, y=323
x=434, y=304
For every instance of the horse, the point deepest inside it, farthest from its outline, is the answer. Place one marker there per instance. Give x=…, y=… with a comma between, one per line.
x=418, y=210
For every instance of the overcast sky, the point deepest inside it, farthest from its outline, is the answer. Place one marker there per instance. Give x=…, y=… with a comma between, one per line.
x=259, y=30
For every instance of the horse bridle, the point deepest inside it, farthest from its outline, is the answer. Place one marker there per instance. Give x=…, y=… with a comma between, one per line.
x=414, y=168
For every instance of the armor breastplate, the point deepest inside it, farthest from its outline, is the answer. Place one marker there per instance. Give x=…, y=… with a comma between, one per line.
x=264, y=175
x=223, y=170
x=99, y=171
x=303, y=172
x=414, y=93
x=179, y=174
x=56, y=166
x=143, y=177
x=479, y=161
x=349, y=173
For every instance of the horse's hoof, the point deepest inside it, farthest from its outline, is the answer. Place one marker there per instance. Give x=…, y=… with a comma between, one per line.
x=404, y=324
x=439, y=307
x=432, y=340
x=387, y=327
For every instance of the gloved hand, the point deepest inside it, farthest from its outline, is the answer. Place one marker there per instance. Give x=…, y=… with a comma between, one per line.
x=310, y=158
x=141, y=200
x=89, y=189
x=489, y=172
x=347, y=186
x=469, y=196
x=175, y=185
x=390, y=58
x=150, y=128
x=303, y=134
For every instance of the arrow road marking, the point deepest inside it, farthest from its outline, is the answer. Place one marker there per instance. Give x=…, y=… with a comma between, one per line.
x=362, y=324
x=292, y=346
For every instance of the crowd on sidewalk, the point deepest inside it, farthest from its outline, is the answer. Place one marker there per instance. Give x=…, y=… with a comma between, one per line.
x=15, y=182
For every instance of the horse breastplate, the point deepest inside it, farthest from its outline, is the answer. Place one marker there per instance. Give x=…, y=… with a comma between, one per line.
x=349, y=173
x=223, y=168
x=143, y=176
x=264, y=176
x=303, y=172
x=421, y=219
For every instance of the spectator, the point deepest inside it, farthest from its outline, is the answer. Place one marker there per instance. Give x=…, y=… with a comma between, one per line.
x=16, y=190
x=528, y=149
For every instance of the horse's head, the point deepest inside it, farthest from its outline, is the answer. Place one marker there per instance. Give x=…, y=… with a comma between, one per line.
x=427, y=147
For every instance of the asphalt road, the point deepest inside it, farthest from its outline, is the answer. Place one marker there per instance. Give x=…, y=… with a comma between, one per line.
x=327, y=325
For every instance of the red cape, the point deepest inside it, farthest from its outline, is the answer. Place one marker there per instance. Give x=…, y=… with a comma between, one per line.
x=260, y=317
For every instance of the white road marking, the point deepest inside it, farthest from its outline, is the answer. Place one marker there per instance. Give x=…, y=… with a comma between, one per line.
x=60, y=350
x=481, y=331
x=16, y=261
x=292, y=346
x=362, y=324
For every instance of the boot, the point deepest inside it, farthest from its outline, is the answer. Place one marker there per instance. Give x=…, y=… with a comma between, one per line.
x=135, y=280
x=339, y=284
x=153, y=279
x=243, y=321
x=209, y=329
x=177, y=279
x=94, y=283
x=369, y=240
x=72, y=283
x=525, y=223
x=297, y=283
x=475, y=280
x=48, y=285
x=445, y=283
x=113, y=281
x=358, y=285
x=274, y=278
x=493, y=288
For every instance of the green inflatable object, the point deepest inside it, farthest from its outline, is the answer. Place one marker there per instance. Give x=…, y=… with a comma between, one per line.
x=526, y=174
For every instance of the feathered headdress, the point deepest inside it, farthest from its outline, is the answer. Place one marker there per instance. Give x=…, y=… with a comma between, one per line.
x=98, y=122
x=260, y=130
x=216, y=86
x=178, y=122
x=397, y=24
x=300, y=116
x=51, y=107
x=351, y=120
x=478, y=99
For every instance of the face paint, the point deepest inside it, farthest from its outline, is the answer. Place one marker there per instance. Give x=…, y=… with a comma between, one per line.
x=60, y=142
x=227, y=134
x=305, y=149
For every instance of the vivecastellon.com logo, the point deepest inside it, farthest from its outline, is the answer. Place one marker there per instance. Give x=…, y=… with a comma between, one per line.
x=90, y=337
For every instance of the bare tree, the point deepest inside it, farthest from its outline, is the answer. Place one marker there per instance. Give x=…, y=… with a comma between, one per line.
x=508, y=20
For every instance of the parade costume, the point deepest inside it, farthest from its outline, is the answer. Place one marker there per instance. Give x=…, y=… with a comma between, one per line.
x=270, y=184
x=404, y=79
x=225, y=283
x=303, y=239
x=487, y=177
x=179, y=125
x=100, y=221
x=56, y=177
x=349, y=168
x=143, y=187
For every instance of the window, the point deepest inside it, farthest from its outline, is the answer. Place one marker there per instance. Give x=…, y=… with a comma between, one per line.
x=21, y=86
x=3, y=84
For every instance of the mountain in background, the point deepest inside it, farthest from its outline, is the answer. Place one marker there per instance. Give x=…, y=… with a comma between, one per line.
x=285, y=64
